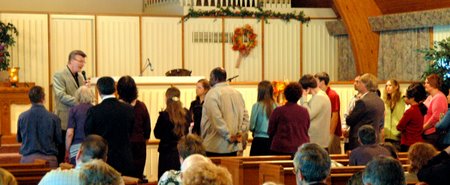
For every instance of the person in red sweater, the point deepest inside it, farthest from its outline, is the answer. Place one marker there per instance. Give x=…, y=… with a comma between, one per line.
x=411, y=123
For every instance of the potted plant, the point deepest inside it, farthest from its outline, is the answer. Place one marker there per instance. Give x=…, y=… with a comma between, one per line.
x=7, y=32
x=439, y=62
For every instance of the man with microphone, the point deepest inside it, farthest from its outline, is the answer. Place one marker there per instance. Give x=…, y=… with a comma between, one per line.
x=65, y=83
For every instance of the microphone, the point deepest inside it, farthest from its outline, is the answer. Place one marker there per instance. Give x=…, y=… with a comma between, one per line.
x=149, y=64
x=84, y=75
x=232, y=78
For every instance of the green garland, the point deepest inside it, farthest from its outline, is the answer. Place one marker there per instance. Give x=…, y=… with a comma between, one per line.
x=242, y=12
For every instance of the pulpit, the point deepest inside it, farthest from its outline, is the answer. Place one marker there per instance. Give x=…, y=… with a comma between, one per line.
x=8, y=96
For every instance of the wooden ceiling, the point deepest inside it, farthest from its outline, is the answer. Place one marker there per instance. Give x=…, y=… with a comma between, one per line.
x=385, y=6
x=402, y=6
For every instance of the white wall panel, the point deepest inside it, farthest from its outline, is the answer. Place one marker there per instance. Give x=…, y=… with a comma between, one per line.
x=251, y=66
x=282, y=50
x=31, y=50
x=161, y=43
x=118, y=45
x=320, y=51
x=201, y=57
x=441, y=32
x=68, y=33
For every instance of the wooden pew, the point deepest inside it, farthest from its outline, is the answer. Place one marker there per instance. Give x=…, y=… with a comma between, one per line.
x=37, y=164
x=29, y=176
x=345, y=162
x=247, y=172
x=285, y=175
x=217, y=160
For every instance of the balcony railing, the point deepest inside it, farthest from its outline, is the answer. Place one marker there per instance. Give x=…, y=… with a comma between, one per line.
x=222, y=3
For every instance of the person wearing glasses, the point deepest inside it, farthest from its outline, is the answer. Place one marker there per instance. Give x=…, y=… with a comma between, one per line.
x=65, y=83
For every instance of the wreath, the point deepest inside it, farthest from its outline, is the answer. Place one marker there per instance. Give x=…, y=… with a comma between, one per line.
x=244, y=40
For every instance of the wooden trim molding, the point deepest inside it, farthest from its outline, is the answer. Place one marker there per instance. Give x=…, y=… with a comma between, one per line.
x=364, y=41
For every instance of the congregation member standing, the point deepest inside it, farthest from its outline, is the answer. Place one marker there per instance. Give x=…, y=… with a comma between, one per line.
x=394, y=108
x=172, y=124
x=201, y=88
x=65, y=83
x=224, y=117
x=289, y=124
x=128, y=93
x=319, y=109
x=368, y=110
x=113, y=120
x=39, y=131
x=335, y=125
x=411, y=124
x=77, y=119
x=259, y=119
x=437, y=106
x=444, y=127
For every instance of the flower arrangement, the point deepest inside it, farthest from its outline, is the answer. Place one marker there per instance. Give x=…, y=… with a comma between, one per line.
x=242, y=12
x=244, y=40
x=278, y=91
x=7, y=32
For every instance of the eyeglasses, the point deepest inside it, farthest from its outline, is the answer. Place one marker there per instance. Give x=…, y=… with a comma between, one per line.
x=80, y=61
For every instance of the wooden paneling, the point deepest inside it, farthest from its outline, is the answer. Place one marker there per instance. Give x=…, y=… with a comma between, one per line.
x=320, y=50
x=118, y=45
x=161, y=44
x=365, y=43
x=281, y=50
x=31, y=50
x=400, y=6
x=251, y=66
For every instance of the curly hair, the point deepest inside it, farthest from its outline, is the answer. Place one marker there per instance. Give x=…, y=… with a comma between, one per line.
x=97, y=172
x=419, y=154
x=206, y=173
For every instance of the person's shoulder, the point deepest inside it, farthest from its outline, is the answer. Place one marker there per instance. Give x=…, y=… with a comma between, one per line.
x=58, y=176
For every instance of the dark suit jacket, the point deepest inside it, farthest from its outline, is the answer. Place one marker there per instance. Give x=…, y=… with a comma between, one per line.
x=368, y=110
x=113, y=121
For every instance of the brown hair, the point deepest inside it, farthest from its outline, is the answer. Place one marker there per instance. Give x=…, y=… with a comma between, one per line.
x=75, y=53
x=177, y=113
x=435, y=81
x=391, y=99
x=205, y=84
x=265, y=96
x=419, y=154
x=190, y=144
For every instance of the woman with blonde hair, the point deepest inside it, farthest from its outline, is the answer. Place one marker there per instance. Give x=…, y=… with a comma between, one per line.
x=259, y=120
x=394, y=109
x=172, y=124
x=77, y=118
x=418, y=154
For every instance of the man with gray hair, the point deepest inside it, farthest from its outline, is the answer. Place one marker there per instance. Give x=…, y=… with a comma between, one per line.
x=368, y=110
x=368, y=149
x=383, y=171
x=311, y=164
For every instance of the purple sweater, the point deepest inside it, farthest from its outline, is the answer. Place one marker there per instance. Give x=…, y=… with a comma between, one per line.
x=288, y=128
